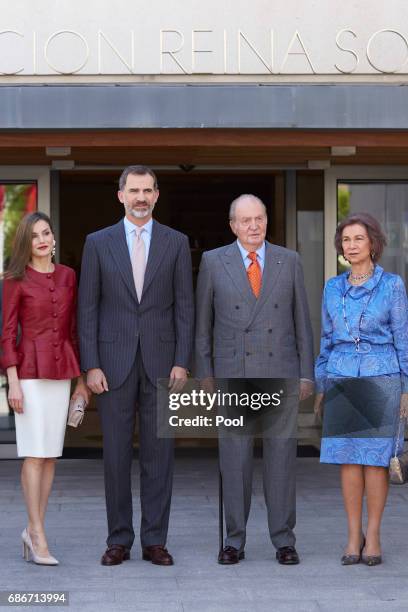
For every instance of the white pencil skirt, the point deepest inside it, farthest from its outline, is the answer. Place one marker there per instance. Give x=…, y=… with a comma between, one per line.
x=40, y=430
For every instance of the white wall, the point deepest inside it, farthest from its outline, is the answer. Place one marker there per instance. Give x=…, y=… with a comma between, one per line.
x=215, y=37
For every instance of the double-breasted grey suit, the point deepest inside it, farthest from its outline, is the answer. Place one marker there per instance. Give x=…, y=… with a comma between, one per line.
x=135, y=343
x=241, y=336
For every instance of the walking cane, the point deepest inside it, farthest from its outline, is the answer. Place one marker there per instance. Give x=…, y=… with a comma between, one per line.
x=220, y=512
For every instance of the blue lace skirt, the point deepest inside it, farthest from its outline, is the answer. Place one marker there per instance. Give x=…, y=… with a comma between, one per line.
x=361, y=417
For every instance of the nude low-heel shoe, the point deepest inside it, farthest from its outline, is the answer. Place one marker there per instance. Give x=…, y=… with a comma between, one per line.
x=371, y=559
x=28, y=550
x=353, y=559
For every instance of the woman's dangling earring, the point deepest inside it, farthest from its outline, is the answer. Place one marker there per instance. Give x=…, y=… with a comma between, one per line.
x=53, y=249
x=372, y=254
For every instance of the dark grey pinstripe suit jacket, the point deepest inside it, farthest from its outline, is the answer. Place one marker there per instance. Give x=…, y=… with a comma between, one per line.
x=111, y=320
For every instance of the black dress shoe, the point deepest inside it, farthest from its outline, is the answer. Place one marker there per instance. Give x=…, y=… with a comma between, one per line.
x=287, y=555
x=115, y=555
x=230, y=555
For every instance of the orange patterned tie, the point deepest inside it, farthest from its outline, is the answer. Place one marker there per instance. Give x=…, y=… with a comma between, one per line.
x=254, y=274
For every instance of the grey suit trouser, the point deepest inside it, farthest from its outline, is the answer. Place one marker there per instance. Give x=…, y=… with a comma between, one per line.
x=117, y=411
x=279, y=484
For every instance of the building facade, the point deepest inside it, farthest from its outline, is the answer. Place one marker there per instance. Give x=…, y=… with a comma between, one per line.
x=303, y=104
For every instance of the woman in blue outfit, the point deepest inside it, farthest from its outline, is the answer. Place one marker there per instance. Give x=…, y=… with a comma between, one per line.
x=362, y=374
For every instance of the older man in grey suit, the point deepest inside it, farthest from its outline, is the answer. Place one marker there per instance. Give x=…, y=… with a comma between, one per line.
x=136, y=318
x=253, y=322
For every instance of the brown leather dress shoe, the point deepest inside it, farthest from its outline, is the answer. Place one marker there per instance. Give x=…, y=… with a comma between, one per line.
x=115, y=555
x=287, y=555
x=230, y=555
x=158, y=555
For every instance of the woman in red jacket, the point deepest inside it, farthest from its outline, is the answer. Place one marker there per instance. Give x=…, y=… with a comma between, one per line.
x=40, y=297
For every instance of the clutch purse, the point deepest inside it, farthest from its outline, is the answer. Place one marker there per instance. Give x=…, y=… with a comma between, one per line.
x=76, y=411
x=398, y=469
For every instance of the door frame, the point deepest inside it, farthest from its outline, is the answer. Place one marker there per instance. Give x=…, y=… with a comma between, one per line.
x=40, y=175
x=348, y=173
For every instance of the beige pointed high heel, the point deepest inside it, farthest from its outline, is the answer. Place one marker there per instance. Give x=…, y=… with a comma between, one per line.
x=28, y=551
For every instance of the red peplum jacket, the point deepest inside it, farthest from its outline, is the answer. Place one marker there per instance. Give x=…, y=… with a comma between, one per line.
x=44, y=304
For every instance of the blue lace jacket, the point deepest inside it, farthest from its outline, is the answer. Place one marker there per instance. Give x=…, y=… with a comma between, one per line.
x=383, y=346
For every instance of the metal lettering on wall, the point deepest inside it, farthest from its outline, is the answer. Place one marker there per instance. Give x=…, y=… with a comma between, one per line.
x=205, y=51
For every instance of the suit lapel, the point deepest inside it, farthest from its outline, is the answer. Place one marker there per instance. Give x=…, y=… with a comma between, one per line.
x=235, y=268
x=272, y=269
x=120, y=253
x=158, y=245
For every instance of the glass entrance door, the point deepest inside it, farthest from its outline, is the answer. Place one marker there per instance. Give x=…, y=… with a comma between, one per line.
x=16, y=200
x=387, y=201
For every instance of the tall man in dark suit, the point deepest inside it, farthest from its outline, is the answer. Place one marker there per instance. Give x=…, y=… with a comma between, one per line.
x=253, y=322
x=136, y=317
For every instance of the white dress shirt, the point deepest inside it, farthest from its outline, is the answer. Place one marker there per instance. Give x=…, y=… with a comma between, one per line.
x=130, y=230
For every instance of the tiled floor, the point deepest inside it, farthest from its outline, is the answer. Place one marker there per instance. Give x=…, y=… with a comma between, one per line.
x=196, y=583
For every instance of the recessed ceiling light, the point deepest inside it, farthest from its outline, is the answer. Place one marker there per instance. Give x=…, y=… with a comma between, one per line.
x=63, y=164
x=343, y=151
x=318, y=164
x=58, y=151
